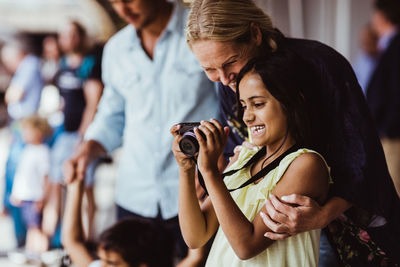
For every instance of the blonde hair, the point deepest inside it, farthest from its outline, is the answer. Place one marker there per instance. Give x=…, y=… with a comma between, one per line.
x=38, y=123
x=228, y=20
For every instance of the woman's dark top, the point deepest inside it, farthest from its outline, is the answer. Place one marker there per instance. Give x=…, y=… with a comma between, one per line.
x=70, y=82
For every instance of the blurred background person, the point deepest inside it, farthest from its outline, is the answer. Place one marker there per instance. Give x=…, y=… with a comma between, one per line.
x=23, y=94
x=31, y=179
x=51, y=56
x=79, y=82
x=367, y=57
x=22, y=98
x=383, y=91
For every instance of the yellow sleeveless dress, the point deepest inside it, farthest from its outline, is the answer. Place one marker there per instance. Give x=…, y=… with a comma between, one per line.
x=299, y=250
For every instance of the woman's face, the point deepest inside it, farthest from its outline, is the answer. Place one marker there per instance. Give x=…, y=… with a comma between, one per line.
x=222, y=61
x=69, y=38
x=262, y=113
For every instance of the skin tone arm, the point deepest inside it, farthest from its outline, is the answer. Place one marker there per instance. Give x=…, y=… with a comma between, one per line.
x=75, y=167
x=93, y=90
x=72, y=231
x=245, y=237
x=292, y=214
x=14, y=94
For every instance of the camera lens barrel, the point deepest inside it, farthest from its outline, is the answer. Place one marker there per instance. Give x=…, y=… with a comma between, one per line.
x=188, y=144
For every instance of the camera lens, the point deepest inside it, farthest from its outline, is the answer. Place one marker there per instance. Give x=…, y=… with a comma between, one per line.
x=188, y=144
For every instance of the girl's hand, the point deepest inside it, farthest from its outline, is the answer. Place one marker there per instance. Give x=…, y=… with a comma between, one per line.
x=212, y=146
x=184, y=162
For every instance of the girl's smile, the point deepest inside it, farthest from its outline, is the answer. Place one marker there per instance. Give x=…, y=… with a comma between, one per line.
x=262, y=113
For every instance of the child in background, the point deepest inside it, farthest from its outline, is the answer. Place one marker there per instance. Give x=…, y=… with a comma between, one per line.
x=127, y=243
x=270, y=94
x=30, y=182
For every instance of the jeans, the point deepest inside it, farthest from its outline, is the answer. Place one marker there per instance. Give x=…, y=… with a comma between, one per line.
x=327, y=255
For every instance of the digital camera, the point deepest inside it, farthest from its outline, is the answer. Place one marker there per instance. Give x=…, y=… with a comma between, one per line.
x=188, y=144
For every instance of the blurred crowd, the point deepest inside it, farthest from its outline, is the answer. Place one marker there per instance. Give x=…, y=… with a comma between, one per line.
x=49, y=102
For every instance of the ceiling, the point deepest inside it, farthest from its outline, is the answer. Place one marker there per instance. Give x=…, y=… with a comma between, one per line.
x=47, y=16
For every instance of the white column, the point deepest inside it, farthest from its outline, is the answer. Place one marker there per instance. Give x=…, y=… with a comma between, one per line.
x=343, y=23
x=296, y=21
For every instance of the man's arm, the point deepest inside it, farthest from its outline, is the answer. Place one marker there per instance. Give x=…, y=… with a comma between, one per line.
x=72, y=231
x=14, y=94
x=294, y=214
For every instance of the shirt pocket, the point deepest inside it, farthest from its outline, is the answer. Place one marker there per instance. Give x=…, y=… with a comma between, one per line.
x=188, y=81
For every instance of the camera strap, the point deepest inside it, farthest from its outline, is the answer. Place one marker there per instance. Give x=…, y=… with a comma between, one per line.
x=264, y=171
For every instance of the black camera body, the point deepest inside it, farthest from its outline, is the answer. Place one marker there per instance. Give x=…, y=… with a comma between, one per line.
x=189, y=144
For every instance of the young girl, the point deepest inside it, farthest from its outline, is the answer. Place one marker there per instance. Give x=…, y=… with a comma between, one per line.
x=30, y=182
x=273, y=109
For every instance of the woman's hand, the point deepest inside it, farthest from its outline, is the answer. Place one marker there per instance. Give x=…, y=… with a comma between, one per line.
x=212, y=146
x=184, y=162
x=296, y=214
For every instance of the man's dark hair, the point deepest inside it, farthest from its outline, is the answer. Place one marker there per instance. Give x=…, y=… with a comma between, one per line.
x=286, y=77
x=390, y=8
x=139, y=241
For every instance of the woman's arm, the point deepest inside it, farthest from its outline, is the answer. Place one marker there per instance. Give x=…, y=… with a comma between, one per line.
x=72, y=231
x=292, y=214
x=93, y=89
x=306, y=175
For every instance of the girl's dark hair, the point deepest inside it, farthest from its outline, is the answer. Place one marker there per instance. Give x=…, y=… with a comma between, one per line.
x=139, y=241
x=285, y=76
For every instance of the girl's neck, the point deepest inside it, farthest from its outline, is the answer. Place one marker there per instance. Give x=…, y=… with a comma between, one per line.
x=273, y=151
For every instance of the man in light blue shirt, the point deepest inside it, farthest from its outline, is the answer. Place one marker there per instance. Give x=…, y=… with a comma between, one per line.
x=23, y=94
x=152, y=81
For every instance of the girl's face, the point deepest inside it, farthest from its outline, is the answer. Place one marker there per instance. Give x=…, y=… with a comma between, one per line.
x=263, y=114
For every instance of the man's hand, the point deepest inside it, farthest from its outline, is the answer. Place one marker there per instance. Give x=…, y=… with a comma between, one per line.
x=75, y=167
x=291, y=215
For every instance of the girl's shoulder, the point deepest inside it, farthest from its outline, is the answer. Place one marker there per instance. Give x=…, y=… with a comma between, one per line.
x=305, y=158
x=304, y=172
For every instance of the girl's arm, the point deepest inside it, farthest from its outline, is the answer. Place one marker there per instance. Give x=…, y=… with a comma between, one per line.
x=72, y=230
x=306, y=175
x=197, y=223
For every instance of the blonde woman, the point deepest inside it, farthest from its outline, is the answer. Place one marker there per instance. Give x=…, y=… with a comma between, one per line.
x=224, y=35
